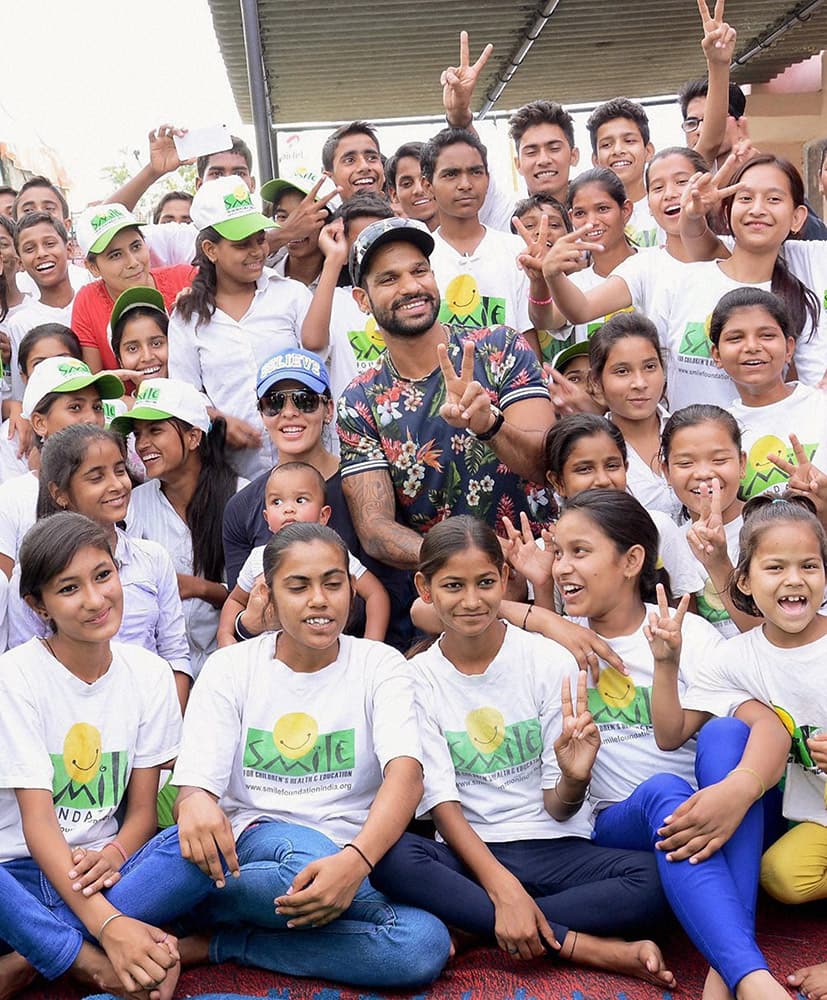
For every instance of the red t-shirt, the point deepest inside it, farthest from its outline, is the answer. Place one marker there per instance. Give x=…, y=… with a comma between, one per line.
x=93, y=306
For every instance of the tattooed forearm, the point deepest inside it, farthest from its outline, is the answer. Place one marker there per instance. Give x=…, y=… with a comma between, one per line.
x=370, y=499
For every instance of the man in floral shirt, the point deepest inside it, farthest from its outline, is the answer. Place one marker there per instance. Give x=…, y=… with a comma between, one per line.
x=446, y=421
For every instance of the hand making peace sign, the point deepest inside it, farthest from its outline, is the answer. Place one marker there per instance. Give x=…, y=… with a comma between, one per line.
x=663, y=631
x=707, y=537
x=719, y=38
x=467, y=404
x=458, y=83
x=805, y=478
x=577, y=745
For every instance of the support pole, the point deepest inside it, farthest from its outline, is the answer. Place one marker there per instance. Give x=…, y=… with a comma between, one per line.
x=257, y=83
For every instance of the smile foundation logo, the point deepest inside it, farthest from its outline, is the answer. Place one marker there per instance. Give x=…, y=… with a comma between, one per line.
x=238, y=200
x=104, y=218
x=148, y=394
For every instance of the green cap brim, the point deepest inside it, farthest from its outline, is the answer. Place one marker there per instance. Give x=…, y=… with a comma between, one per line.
x=563, y=357
x=109, y=386
x=140, y=295
x=243, y=226
x=103, y=241
x=272, y=189
x=123, y=424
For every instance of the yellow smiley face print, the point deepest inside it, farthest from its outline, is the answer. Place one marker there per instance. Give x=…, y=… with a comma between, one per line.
x=295, y=734
x=616, y=689
x=82, y=751
x=462, y=295
x=486, y=729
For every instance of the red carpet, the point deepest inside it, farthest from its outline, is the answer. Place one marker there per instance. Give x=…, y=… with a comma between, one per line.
x=790, y=938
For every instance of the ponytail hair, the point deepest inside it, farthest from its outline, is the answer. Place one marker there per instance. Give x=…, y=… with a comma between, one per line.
x=625, y=522
x=217, y=483
x=200, y=301
x=801, y=301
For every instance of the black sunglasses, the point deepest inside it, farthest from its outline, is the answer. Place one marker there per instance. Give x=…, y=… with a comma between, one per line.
x=305, y=401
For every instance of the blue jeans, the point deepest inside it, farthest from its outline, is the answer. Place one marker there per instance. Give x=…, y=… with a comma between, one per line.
x=375, y=942
x=576, y=884
x=157, y=885
x=714, y=900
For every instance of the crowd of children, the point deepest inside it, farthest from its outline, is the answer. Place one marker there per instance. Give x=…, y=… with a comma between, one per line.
x=575, y=687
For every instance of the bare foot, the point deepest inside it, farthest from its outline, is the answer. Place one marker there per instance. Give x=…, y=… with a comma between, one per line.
x=93, y=968
x=641, y=959
x=15, y=974
x=761, y=985
x=715, y=988
x=194, y=950
x=811, y=981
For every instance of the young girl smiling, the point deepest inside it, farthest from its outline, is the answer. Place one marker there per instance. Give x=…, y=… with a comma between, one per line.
x=89, y=723
x=83, y=469
x=704, y=463
x=605, y=568
x=626, y=369
x=315, y=755
x=753, y=341
x=781, y=576
x=502, y=781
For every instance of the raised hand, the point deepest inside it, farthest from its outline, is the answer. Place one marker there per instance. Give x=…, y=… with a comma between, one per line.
x=707, y=537
x=458, y=83
x=308, y=217
x=537, y=247
x=467, y=404
x=567, y=397
x=719, y=38
x=525, y=555
x=804, y=477
x=579, y=740
x=569, y=253
x=163, y=156
x=333, y=244
x=663, y=631
x=704, y=192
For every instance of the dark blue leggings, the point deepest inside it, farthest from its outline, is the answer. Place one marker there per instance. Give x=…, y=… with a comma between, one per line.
x=574, y=882
x=714, y=900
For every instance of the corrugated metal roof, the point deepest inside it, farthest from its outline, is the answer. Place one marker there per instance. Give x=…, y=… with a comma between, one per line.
x=382, y=58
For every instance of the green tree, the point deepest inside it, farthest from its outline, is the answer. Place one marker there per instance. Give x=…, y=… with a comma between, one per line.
x=129, y=162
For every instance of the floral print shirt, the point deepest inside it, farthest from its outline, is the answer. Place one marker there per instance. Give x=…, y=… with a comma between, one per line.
x=392, y=424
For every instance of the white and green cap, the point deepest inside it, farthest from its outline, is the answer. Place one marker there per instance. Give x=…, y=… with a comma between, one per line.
x=66, y=375
x=162, y=398
x=96, y=226
x=226, y=205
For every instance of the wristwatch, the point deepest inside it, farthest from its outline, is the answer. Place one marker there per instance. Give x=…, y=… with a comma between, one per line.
x=499, y=420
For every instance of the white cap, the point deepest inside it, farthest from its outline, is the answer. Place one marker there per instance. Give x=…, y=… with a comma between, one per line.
x=162, y=398
x=66, y=375
x=226, y=205
x=97, y=225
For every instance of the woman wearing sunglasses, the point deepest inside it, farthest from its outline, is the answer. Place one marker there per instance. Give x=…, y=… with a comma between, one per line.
x=296, y=408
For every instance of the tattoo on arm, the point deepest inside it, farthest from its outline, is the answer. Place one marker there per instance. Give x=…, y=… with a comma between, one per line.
x=370, y=499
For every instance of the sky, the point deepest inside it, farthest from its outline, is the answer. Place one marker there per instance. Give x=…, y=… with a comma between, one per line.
x=106, y=73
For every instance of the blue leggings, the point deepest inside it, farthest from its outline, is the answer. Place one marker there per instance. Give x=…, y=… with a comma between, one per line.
x=576, y=884
x=156, y=886
x=714, y=900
